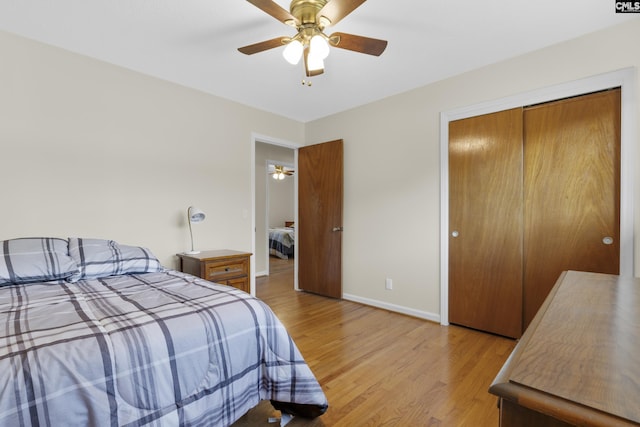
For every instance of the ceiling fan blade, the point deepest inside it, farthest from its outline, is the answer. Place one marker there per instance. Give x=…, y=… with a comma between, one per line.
x=265, y=45
x=272, y=8
x=335, y=10
x=358, y=43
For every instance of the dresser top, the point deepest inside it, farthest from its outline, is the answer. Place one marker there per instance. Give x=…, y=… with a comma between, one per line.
x=583, y=346
x=219, y=253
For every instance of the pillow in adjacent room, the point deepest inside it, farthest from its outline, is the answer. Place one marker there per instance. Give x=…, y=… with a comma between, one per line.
x=101, y=258
x=35, y=259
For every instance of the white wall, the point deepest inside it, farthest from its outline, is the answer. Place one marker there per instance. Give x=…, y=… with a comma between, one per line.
x=392, y=171
x=89, y=149
x=281, y=206
x=92, y=150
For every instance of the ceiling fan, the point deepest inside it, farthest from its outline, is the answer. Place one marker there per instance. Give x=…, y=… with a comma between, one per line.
x=310, y=18
x=280, y=172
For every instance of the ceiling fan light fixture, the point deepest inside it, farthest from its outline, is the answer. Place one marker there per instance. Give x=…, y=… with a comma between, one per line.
x=310, y=18
x=323, y=21
x=279, y=173
x=293, y=52
x=319, y=47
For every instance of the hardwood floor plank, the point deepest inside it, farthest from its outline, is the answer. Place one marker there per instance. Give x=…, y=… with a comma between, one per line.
x=380, y=368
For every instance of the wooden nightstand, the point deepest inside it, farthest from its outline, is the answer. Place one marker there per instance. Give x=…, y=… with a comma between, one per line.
x=223, y=266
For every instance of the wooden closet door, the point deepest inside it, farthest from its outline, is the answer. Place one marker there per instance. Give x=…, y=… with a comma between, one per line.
x=572, y=191
x=485, y=217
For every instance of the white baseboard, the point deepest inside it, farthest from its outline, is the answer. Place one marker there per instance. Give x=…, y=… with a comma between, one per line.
x=393, y=307
x=262, y=273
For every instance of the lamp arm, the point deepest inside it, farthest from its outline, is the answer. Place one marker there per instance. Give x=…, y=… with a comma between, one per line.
x=190, y=231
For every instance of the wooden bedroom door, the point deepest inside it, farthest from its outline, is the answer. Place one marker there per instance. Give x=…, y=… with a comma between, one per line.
x=485, y=217
x=572, y=191
x=319, y=228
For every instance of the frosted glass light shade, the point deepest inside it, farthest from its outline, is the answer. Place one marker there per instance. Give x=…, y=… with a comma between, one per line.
x=293, y=52
x=319, y=47
x=314, y=62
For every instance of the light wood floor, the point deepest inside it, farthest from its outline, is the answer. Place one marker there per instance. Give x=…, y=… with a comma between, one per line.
x=379, y=368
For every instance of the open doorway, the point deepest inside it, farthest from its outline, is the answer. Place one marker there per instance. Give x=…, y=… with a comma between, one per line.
x=280, y=213
x=275, y=206
x=322, y=274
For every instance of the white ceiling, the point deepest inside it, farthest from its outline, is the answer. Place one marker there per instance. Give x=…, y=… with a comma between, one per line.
x=194, y=43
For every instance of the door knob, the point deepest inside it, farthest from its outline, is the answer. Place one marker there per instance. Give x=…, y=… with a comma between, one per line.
x=337, y=229
x=455, y=233
x=607, y=240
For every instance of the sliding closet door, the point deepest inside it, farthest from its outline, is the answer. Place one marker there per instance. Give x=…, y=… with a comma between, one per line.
x=485, y=216
x=572, y=191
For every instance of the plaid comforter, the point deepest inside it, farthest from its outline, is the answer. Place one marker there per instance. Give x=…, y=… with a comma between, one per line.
x=281, y=242
x=159, y=349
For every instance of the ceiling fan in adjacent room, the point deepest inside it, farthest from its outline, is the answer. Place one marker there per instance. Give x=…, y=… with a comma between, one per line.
x=310, y=18
x=280, y=172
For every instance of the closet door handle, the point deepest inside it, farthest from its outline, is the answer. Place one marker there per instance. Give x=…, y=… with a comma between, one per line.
x=607, y=240
x=455, y=233
x=337, y=229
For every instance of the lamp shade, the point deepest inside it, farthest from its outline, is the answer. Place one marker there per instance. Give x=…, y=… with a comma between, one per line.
x=194, y=215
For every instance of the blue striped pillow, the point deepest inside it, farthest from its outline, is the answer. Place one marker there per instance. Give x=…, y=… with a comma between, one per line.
x=101, y=258
x=35, y=259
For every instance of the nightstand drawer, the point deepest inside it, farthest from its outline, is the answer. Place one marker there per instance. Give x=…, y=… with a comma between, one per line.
x=221, y=270
x=224, y=266
x=241, y=283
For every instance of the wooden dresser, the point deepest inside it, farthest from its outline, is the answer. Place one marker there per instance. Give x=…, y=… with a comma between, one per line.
x=222, y=266
x=578, y=363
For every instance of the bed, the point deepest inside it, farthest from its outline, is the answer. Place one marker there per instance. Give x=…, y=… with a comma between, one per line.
x=96, y=333
x=281, y=242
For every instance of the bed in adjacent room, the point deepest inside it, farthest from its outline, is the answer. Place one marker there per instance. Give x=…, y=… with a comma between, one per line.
x=281, y=242
x=97, y=333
